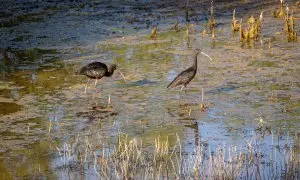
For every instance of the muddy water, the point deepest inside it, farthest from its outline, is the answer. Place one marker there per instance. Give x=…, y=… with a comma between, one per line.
x=43, y=106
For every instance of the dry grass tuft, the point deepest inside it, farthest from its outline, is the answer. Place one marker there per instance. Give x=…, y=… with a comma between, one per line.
x=130, y=160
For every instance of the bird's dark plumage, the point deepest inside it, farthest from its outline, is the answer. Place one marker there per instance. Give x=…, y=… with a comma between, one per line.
x=183, y=78
x=97, y=70
x=187, y=75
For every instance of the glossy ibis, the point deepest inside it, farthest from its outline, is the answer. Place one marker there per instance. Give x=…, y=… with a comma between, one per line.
x=187, y=75
x=96, y=70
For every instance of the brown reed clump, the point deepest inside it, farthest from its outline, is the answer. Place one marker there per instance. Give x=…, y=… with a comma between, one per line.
x=244, y=32
x=235, y=24
x=259, y=23
x=290, y=26
x=153, y=32
x=212, y=22
x=253, y=29
x=279, y=13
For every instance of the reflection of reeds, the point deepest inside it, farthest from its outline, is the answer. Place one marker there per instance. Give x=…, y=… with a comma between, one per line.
x=129, y=159
x=202, y=107
x=187, y=12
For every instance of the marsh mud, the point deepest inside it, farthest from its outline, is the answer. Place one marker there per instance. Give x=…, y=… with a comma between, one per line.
x=249, y=88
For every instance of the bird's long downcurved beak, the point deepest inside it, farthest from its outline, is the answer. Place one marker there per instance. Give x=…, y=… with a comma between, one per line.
x=122, y=75
x=206, y=55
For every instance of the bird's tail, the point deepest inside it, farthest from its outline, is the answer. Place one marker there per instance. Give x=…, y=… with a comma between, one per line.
x=80, y=71
x=171, y=85
x=77, y=73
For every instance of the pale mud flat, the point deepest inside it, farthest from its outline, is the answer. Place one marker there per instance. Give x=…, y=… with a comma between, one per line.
x=243, y=83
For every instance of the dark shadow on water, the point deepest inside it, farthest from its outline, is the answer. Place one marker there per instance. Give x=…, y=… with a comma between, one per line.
x=9, y=107
x=97, y=112
x=143, y=82
x=224, y=88
x=195, y=127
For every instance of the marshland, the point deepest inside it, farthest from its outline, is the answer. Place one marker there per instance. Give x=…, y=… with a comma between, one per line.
x=238, y=119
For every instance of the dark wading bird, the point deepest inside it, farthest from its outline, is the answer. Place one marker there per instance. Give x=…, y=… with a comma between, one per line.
x=97, y=70
x=187, y=75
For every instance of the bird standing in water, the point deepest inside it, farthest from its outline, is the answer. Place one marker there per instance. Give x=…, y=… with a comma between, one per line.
x=97, y=70
x=187, y=75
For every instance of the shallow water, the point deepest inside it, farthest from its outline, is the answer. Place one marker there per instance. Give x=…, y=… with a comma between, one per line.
x=46, y=109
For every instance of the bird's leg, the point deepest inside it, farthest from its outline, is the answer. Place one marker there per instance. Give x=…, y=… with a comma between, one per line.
x=122, y=75
x=86, y=86
x=182, y=88
x=185, y=89
x=95, y=100
x=96, y=85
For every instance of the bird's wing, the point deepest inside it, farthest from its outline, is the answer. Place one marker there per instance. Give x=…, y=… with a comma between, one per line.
x=95, y=69
x=183, y=78
x=97, y=65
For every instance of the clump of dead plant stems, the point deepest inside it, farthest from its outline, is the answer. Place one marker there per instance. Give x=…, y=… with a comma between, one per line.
x=235, y=24
x=130, y=158
x=290, y=25
x=279, y=13
x=253, y=28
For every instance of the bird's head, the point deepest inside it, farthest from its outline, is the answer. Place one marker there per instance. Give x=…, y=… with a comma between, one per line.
x=113, y=67
x=196, y=51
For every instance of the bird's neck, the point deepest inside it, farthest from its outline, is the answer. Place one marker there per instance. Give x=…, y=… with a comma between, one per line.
x=195, y=61
x=110, y=72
